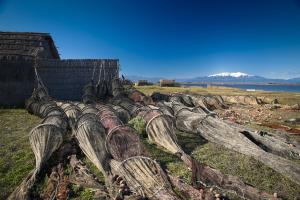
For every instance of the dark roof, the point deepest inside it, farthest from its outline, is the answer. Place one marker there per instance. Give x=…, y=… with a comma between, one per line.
x=24, y=45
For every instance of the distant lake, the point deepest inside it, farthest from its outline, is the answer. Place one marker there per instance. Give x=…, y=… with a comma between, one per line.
x=276, y=88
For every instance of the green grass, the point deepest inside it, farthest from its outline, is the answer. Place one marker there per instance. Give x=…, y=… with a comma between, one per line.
x=247, y=168
x=79, y=193
x=94, y=170
x=228, y=162
x=16, y=157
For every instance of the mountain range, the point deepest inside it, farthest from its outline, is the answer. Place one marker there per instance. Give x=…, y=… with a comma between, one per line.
x=224, y=77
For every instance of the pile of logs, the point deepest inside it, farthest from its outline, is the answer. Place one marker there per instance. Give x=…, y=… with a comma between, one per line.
x=243, y=99
x=100, y=130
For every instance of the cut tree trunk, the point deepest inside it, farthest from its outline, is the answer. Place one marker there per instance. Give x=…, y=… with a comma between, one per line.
x=217, y=131
x=243, y=99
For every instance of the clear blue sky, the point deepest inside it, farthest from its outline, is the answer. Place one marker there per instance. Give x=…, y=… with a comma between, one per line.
x=169, y=38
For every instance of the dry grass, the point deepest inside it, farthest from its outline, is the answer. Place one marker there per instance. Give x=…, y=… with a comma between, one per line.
x=289, y=98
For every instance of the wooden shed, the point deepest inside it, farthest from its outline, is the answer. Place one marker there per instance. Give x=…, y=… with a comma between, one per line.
x=17, y=52
x=167, y=83
x=63, y=78
x=142, y=83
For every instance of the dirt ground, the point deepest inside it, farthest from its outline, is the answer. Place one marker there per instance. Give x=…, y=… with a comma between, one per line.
x=266, y=115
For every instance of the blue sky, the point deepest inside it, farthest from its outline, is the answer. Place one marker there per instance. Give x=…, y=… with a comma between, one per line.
x=169, y=38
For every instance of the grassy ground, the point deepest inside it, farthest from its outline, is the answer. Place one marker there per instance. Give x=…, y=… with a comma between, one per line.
x=17, y=159
x=289, y=98
x=229, y=162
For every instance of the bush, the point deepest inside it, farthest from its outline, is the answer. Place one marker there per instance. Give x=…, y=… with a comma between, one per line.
x=138, y=124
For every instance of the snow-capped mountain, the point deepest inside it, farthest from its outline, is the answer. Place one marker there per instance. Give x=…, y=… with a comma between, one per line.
x=224, y=77
x=232, y=74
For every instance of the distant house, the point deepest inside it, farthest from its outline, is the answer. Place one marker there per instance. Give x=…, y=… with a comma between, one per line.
x=63, y=78
x=167, y=83
x=142, y=83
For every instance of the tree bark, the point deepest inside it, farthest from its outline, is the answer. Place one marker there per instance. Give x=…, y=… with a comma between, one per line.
x=220, y=132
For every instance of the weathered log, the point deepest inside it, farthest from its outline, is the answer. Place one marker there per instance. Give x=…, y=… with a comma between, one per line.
x=206, y=102
x=232, y=183
x=277, y=143
x=295, y=107
x=210, y=102
x=188, y=191
x=161, y=131
x=243, y=99
x=268, y=100
x=220, y=132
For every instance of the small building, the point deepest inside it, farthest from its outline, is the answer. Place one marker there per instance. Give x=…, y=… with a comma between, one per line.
x=63, y=78
x=167, y=83
x=142, y=83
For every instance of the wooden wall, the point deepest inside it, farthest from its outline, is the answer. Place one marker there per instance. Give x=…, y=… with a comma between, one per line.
x=63, y=78
x=16, y=82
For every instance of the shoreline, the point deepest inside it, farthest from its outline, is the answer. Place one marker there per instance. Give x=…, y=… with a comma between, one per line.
x=235, y=83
